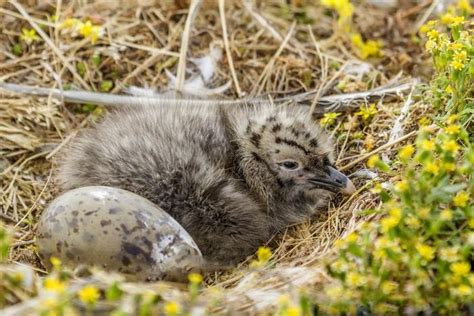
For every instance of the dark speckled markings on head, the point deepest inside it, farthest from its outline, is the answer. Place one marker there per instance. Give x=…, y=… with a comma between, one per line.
x=133, y=249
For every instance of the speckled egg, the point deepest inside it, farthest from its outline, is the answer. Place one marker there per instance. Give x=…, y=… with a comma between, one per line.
x=116, y=230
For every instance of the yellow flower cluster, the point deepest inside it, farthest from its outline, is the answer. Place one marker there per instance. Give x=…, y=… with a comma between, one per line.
x=52, y=284
x=404, y=247
x=368, y=48
x=425, y=251
x=406, y=152
x=392, y=220
x=263, y=256
x=459, y=60
x=29, y=36
x=89, y=294
x=172, y=308
x=344, y=8
x=452, y=21
x=329, y=118
x=367, y=112
x=195, y=278
x=85, y=29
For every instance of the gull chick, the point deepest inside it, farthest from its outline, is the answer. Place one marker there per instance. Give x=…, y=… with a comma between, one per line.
x=231, y=175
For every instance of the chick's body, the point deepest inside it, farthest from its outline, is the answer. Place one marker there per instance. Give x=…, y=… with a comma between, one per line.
x=210, y=167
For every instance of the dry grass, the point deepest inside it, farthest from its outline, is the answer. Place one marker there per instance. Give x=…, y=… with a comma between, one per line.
x=269, y=51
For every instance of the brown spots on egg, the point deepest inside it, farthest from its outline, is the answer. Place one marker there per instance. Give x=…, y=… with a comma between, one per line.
x=94, y=235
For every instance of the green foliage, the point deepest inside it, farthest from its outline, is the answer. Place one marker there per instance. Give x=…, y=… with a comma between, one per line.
x=452, y=89
x=4, y=244
x=417, y=257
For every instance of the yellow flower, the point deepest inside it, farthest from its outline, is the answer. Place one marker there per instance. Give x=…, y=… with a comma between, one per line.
x=452, y=129
x=428, y=26
x=451, y=146
x=335, y=292
x=457, y=20
x=461, y=56
x=465, y=5
x=89, y=294
x=449, y=166
x=377, y=188
x=456, y=64
x=367, y=49
x=264, y=254
x=425, y=251
x=372, y=162
x=424, y=121
x=471, y=223
x=406, y=152
x=29, y=36
x=356, y=40
x=424, y=29
x=367, y=112
x=389, y=222
x=433, y=34
x=452, y=118
x=87, y=30
x=343, y=7
x=293, y=311
x=456, y=46
x=55, y=262
x=352, y=237
x=329, y=118
x=447, y=18
x=428, y=145
x=424, y=212
x=388, y=287
x=446, y=215
x=460, y=268
x=413, y=222
x=339, y=265
x=430, y=45
x=70, y=23
x=432, y=168
x=195, y=278
x=450, y=254
x=464, y=290
x=448, y=89
x=172, y=308
x=54, y=285
x=355, y=279
x=395, y=212
x=401, y=186
x=451, y=20
x=461, y=199
x=369, y=142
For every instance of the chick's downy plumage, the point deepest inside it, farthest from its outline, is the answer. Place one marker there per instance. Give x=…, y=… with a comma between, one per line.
x=230, y=175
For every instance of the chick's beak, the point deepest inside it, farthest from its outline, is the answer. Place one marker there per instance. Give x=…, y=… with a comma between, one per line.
x=334, y=181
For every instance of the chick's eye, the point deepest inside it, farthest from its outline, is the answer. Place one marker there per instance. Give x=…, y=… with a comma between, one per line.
x=290, y=164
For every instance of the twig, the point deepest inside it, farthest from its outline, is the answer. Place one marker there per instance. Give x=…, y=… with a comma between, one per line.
x=181, y=72
x=274, y=57
x=227, y=47
x=329, y=103
x=397, y=130
x=377, y=150
x=153, y=50
x=262, y=21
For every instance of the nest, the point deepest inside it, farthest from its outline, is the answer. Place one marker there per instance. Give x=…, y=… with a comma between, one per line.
x=274, y=48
